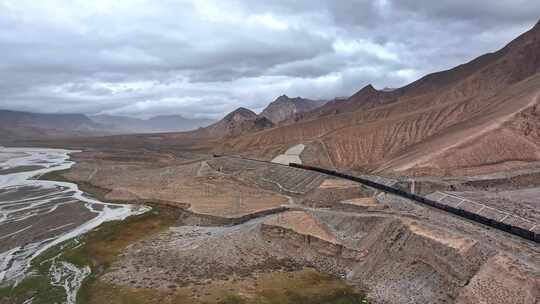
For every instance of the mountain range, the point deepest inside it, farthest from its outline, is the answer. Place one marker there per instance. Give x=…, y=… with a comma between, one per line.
x=163, y=123
x=36, y=125
x=19, y=125
x=479, y=117
x=243, y=121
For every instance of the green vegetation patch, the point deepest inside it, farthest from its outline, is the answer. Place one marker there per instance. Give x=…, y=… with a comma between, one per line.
x=97, y=249
x=301, y=287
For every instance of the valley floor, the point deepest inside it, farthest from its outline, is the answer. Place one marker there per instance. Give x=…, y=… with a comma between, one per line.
x=226, y=230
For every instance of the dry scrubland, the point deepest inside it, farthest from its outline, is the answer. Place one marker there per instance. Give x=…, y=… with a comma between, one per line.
x=231, y=234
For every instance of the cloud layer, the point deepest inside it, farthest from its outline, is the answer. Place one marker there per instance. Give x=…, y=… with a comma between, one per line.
x=203, y=58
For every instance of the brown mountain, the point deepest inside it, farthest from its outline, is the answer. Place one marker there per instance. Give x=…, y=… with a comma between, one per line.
x=284, y=108
x=475, y=117
x=19, y=125
x=239, y=121
x=368, y=97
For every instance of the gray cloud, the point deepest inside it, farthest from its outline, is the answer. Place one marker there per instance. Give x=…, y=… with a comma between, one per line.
x=485, y=12
x=204, y=58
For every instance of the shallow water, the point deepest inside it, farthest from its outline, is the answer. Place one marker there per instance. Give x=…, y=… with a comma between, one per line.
x=36, y=215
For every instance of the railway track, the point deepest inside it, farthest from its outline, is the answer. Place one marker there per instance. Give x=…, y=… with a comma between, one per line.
x=525, y=229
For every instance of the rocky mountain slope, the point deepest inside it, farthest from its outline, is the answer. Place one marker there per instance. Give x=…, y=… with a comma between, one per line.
x=476, y=117
x=284, y=108
x=368, y=97
x=239, y=121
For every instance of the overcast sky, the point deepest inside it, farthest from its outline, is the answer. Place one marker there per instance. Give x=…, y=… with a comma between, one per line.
x=203, y=58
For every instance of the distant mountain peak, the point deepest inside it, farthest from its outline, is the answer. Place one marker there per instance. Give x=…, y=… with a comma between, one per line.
x=242, y=110
x=284, y=107
x=237, y=122
x=366, y=92
x=240, y=114
x=369, y=88
x=282, y=98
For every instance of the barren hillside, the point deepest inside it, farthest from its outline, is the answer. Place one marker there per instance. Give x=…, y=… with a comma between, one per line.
x=476, y=115
x=233, y=124
x=285, y=108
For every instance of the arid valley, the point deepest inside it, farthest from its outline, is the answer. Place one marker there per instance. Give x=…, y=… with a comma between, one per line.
x=424, y=193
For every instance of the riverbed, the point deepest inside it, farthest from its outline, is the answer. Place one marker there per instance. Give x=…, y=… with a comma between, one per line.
x=36, y=215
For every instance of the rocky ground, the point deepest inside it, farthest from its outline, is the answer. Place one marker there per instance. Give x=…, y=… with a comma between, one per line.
x=255, y=219
x=185, y=181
